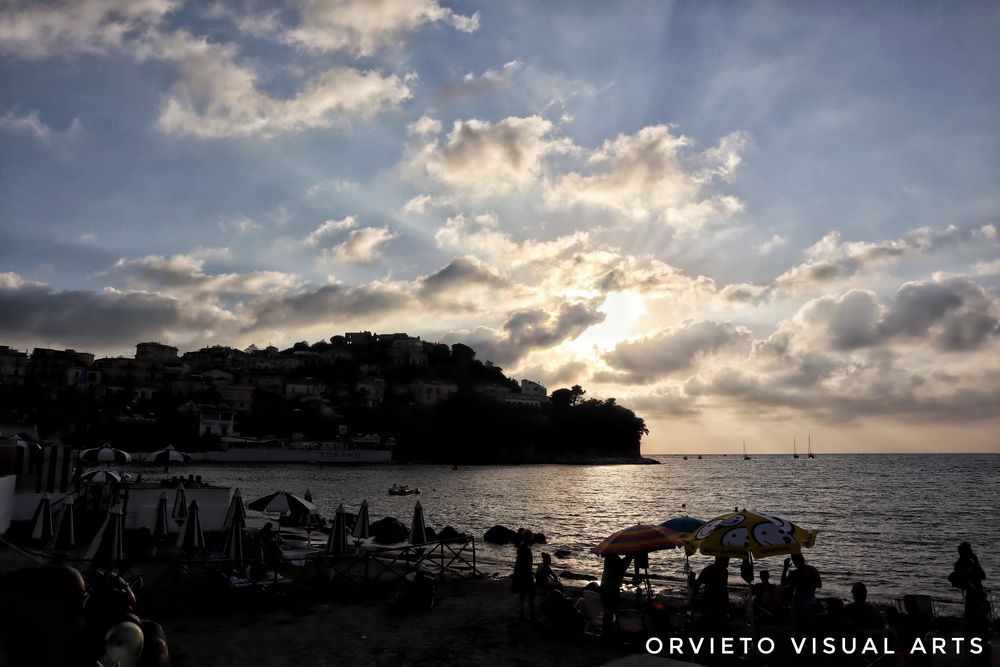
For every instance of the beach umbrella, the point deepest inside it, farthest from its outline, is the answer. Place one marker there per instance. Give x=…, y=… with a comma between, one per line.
x=743, y=533
x=164, y=457
x=362, y=529
x=418, y=532
x=105, y=454
x=191, y=536
x=65, y=530
x=160, y=524
x=105, y=476
x=180, y=511
x=233, y=548
x=41, y=522
x=236, y=510
x=637, y=539
x=282, y=502
x=336, y=545
x=108, y=544
x=682, y=524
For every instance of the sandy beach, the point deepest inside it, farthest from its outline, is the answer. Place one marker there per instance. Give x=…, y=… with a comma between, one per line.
x=474, y=621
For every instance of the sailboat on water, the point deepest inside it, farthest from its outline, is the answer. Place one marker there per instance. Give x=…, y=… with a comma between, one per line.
x=746, y=457
x=811, y=455
x=795, y=453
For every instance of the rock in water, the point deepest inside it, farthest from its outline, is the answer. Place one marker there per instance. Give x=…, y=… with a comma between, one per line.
x=389, y=530
x=500, y=535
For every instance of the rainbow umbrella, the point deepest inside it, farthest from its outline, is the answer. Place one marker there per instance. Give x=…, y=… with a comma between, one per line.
x=638, y=539
x=738, y=534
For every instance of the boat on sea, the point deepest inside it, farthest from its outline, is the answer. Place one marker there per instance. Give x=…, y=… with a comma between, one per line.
x=811, y=455
x=359, y=449
x=404, y=490
x=795, y=453
x=746, y=457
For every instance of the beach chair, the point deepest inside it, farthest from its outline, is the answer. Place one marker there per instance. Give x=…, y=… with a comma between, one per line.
x=594, y=613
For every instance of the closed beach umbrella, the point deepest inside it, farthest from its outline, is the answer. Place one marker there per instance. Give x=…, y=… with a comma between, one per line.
x=282, y=502
x=108, y=545
x=65, y=530
x=180, y=511
x=233, y=548
x=418, y=532
x=638, y=539
x=336, y=545
x=105, y=454
x=362, y=529
x=160, y=524
x=191, y=536
x=41, y=523
x=235, y=510
x=168, y=455
x=738, y=534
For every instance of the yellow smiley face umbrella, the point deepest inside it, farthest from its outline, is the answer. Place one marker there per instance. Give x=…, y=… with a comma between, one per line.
x=737, y=534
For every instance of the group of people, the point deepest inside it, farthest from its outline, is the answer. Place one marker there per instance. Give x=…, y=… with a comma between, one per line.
x=527, y=581
x=791, y=602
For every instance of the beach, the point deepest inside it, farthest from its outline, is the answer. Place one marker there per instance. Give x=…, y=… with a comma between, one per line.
x=474, y=621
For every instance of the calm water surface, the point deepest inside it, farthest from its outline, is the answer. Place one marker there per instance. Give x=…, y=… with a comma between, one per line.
x=893, y=521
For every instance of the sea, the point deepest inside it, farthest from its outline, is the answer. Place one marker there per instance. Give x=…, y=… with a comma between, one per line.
x=892, y=521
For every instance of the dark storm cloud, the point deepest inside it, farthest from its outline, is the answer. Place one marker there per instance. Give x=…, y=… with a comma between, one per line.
x=536, y=328
x=672, y=350
x=326, y=304
x=460, y=273
x=34, y=312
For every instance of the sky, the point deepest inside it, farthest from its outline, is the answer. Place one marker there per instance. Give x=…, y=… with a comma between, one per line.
x=745, y=221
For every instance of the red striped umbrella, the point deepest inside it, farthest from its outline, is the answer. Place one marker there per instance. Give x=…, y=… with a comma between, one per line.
x=638, y=539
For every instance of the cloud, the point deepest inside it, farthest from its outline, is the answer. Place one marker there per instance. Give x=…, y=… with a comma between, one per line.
x=535, y=328
x=364, y=26
x=654, y=174
x=743, y=292
x=676, y=349
x=481, y=158
x=479, y=235
x=216, y=97
x=951, y=315
x=329, y=304
x=362, y=246
x=38, y=29
x=33, y=126
x=329, y=227
x=770, y=245
x=459, y=274
x=104, y=319
x=184, y=276
x=830, y=259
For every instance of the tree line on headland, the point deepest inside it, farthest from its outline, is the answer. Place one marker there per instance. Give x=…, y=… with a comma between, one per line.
x=439, y=403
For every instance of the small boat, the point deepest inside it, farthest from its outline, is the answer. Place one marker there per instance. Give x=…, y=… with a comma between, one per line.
x=746, y=457
x=402, y=491
x=699, y=457
x=685, y=458
x=811, y=455
x=795, y=453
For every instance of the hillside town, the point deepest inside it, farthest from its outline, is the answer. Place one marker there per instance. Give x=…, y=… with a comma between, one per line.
x=219, y=389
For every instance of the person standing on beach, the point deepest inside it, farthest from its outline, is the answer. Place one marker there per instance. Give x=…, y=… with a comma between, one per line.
x=968, y=576
x=612, y=577
x=523, y=582
x=714, y=603
x=804, y=581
